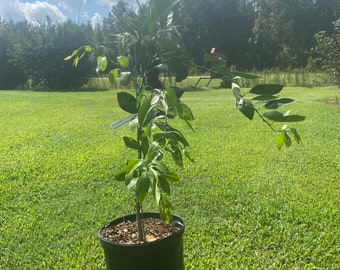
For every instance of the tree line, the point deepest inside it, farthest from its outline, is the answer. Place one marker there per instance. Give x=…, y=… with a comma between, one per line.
x=248, y=34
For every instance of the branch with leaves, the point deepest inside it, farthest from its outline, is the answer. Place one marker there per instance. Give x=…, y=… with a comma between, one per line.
x=266, y=97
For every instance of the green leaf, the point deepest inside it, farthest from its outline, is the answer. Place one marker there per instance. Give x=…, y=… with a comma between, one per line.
x=160, y=167
x=120, y=176
x=236, y=91
x=179, y=91
x=135, y=168
x=277, y=116
x=146, y=113
x=155, y=99
x=113, y=75
x=170, y=133
x=188, y=155
x=88, y=48
x=101, y=63
x=172, y=99
x=171, y=177
x=288, y=140
x=131, y=143
x=131, y=185
x=144, y=145
x=296, y=136
x=142, y=187
x=177, y=156
x=293, y=118
x=164, y=185
x=127, y=102
x=176, y=136
x=266, y=89
x=264, y=97
x=123, y=61
x=246, y=107
x=274, y=104
x=76, y=61
x=283, y=138
x=153, y=152
x=165, y=207
x=186, y=113
x=156, y=192
x=280, y=140
x=74, y=53
x=125, y=78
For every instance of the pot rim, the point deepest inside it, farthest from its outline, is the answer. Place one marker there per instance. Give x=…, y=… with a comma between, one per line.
x=177, y=221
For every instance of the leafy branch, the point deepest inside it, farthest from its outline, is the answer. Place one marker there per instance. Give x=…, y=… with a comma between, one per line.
x=266, y=95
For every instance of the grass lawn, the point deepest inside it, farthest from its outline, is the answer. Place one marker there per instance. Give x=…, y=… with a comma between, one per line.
x=246, y=204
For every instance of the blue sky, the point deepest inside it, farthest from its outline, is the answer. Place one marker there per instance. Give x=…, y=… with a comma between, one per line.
x=35, y=11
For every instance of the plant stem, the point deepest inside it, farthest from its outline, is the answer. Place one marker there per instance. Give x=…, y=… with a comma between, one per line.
x=138, y=206
x=139, y=219
x=264, y=120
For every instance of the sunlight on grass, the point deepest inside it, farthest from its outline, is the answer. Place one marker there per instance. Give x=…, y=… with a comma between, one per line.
x=246, y=204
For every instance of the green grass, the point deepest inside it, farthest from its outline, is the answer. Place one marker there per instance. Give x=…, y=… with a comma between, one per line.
x=246, y=204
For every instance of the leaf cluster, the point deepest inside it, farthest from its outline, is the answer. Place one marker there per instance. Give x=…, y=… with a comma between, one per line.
x=150, y=119
x=266, y=98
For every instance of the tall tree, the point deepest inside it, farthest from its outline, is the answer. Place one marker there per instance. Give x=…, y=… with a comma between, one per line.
x=283, y=30
x=12, y=74
x=219, y=24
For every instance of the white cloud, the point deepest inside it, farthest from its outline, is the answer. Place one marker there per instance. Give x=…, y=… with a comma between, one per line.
x=73, y=6
x=113, y=2
x=37, y=12
x=9, y=10
x=96, y=20
x=34, y=13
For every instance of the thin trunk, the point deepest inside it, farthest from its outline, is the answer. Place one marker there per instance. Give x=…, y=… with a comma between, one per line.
x=138, y=206
x=139, y=219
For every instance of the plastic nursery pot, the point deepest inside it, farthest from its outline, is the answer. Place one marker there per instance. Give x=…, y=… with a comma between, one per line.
x=163, y=254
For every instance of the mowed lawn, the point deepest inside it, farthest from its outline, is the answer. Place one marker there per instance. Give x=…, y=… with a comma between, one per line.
x=246, y=204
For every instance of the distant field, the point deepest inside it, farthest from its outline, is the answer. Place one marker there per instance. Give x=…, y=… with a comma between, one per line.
x=246, y=204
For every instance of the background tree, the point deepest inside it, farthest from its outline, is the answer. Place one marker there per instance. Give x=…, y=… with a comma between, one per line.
x=220, y=24
x=36, y=53
x=12, y=75
x=327, y=52
x=42, y=55
x=283, y=30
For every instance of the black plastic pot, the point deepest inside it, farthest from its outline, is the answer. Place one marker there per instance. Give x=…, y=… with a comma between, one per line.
x=164, y=254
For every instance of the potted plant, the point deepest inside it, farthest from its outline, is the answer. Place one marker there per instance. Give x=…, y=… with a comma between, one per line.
x=153, y=46
x=154, y=240
x=147, y=173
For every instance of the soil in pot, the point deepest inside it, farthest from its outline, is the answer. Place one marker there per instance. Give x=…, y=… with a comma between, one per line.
x=126, y=231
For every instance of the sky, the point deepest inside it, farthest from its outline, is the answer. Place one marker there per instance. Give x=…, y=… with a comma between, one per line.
x=35, y=12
